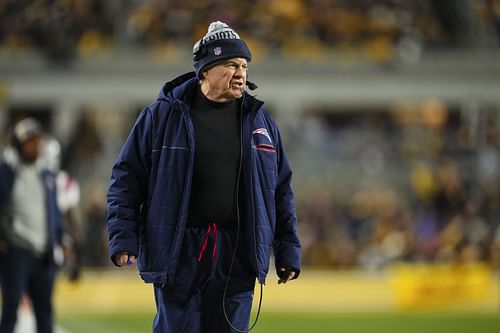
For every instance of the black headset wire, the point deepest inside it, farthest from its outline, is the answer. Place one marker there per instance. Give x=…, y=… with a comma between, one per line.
x=235, y=249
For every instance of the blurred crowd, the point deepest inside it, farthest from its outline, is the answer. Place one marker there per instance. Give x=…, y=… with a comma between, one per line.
x=424, y=189
x=57, y=29
x=377, y=30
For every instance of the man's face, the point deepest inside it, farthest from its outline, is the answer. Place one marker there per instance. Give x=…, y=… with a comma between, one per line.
x=225, y=81
x=31, y=149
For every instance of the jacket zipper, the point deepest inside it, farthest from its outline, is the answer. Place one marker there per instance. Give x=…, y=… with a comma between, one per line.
x=252, y=200
x=240, y=166
x=254, y=224
x=238, y=214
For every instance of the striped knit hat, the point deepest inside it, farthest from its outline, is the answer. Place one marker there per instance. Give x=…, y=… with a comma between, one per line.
x=220, y=43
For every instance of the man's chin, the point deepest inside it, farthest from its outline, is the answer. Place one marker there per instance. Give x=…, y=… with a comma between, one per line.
x=237, y=93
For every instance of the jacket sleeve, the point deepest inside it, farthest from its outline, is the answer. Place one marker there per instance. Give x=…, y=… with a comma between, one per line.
x=128, y=187
x=7, y=176
x=6, y=182
x=287, y=248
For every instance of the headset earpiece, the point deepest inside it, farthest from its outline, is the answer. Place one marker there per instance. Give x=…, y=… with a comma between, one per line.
x=199, y=51
x=251, y=85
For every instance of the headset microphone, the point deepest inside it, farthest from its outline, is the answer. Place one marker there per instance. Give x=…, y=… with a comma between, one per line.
x=251, y=85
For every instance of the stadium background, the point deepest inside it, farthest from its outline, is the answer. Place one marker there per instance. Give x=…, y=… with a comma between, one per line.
x=390, y=114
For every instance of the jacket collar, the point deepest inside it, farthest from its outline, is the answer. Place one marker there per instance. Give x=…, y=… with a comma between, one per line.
x=182, y=86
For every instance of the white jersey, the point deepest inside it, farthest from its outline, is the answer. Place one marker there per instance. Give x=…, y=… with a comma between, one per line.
x=68, y=192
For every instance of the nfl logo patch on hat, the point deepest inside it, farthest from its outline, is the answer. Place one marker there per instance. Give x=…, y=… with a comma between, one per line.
x=217, y=51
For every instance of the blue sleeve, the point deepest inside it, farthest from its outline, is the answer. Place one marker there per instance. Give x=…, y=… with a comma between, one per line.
x=128, y=187
x=287, y=248
x=7, y=176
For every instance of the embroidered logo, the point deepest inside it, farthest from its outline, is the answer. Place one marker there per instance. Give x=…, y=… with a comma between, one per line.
x=264, y=132
x=217, y=51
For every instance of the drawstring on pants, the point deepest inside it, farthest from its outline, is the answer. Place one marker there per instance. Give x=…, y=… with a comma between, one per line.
x=212, y=227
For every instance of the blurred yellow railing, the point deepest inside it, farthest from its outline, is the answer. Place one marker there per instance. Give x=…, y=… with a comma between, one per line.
x=445, y=287
x=402, y=287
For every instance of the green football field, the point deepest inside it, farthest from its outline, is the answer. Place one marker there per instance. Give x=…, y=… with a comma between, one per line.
x=307, y=323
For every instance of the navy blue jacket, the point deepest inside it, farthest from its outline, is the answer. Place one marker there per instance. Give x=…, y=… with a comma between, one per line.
x=150, y=187
x=7, y=180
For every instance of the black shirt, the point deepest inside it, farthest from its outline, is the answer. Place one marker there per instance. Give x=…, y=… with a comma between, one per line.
x=216, y=161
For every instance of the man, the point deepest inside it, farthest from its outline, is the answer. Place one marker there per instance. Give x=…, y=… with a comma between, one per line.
x=30, y=228
x=200, y=193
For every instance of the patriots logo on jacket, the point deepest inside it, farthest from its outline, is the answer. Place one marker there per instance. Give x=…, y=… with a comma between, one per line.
x=264, y=146
x=263, y=131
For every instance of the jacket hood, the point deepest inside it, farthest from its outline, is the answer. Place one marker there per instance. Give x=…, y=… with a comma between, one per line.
x=178, y=89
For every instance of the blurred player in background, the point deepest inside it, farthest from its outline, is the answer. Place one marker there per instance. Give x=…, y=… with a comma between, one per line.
x=30, y=228
x=68, y=199
x=201, y=193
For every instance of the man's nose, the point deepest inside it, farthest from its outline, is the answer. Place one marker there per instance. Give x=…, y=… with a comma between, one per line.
x=240, y=71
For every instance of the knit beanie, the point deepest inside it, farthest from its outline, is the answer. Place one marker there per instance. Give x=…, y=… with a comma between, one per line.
x=220, y=43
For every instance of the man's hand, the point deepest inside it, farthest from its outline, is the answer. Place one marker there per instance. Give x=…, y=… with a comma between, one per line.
x=285, y=275
x=124, y=258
